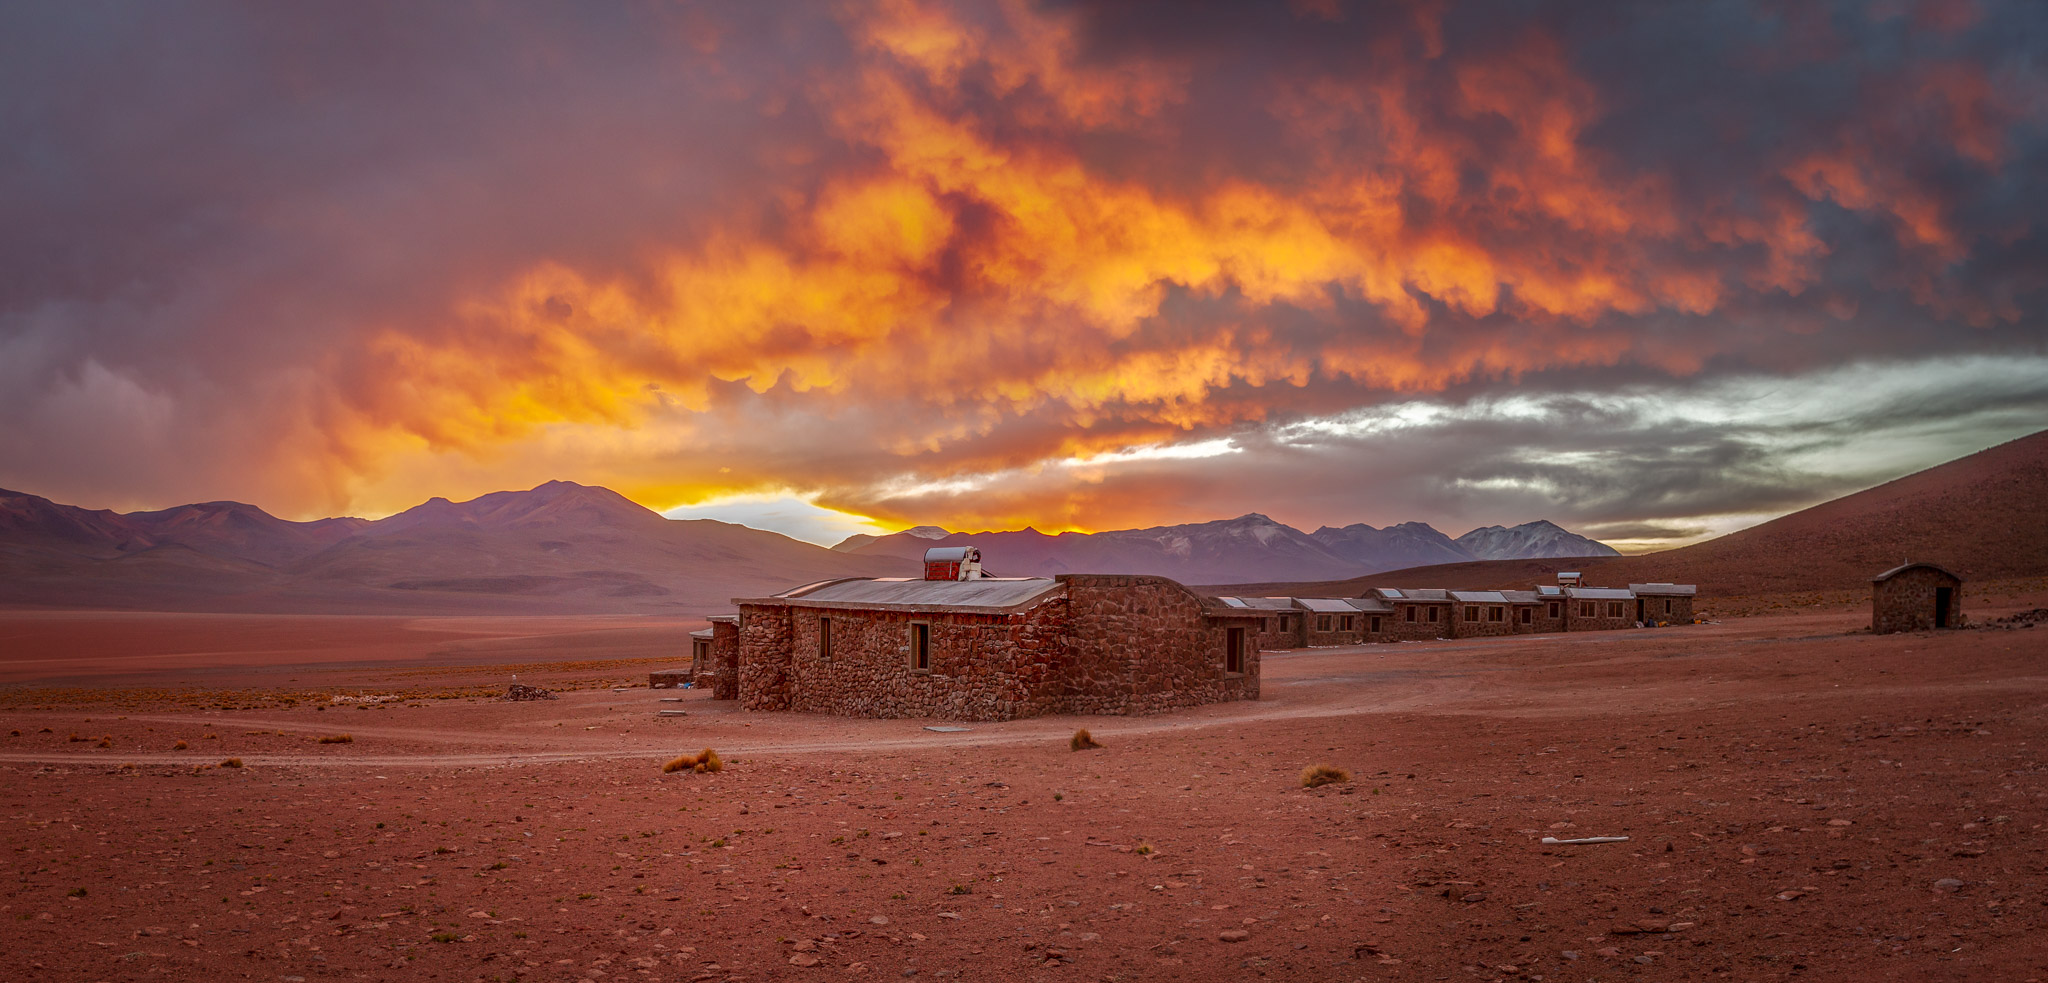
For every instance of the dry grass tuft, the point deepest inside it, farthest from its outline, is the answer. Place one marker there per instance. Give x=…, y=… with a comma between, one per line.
x=703, y=761
x=710, y=761
x=1315, y=776
x=681, y=763
x=1143, y=849
x=1084, y=741
x=107, y=741
x=338, y=739
x=180, y=746
x=232, y=763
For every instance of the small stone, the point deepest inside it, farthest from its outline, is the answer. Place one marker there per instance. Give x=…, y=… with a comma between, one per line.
x=1569, y=954
x=879, y=920
x=1233, y=935
x=1474, y=898
x=1645, y=960
x=804, y=959
x=1610, y=952
x=1948, y=884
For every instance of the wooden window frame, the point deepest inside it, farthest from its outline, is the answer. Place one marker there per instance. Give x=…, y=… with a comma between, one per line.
x=1496, y=614
x=1434, y=614
x=921, y=648
x=1234, y=645
x=1528, y=615
x=824, y=638
x=1374, y=622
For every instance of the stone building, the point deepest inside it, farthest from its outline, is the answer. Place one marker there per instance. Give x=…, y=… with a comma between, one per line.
x=1477, y=613
x=715, y=666
x=1332, y=621
x=985, y=648
x=1663, y=604
x=1523, y=608
x=1286, y=622
x=1417, y=613
x=1915, y=597
x=1598, y=609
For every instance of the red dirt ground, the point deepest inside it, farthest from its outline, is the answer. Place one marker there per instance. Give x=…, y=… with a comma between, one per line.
x=1804, y=801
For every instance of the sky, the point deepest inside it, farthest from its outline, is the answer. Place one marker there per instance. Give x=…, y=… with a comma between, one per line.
x=1651, y=271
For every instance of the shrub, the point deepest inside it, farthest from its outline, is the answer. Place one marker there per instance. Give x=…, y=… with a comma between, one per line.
x=1314, y=776
x=1083, y=740
x=710, y=761
x=232, y=763
x=180, y=746
x=107, y=741
x=682, y=763
x=1143, y=849
x=338, y=739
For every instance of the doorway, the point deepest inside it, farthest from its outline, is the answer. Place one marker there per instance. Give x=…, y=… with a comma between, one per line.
x=1943, y=596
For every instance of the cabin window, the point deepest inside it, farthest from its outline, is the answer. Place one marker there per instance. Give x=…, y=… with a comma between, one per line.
x=1409, y=611
x=1233, y=650
x=1433, y=614
x=1375, y=625
x=1667, y=605
x=1349, y=624
x=1496, y=614
x=1553, y=609
x=824, y=639
x=1585, y=609
x=1527, y=614
x=920, y=647
x=1322, y=622
x=1614, y=609
x=1471, y=612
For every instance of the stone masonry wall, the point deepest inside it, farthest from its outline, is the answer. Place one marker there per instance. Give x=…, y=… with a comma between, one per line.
x=721, y=674
x=1401, y=627
x=1675, y=610
x=1541, y=621
x=764, y=657
x=1600, y=619
x=1463, y=627
x=1906, y=601
x=983, y=666
x=1145, y=644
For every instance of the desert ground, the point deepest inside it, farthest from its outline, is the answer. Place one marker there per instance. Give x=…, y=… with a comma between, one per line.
x=1802, y=801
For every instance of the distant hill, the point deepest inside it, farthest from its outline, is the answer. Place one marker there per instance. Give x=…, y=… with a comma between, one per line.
x=558, y=548
x=1984, y=516
x=1226, y=550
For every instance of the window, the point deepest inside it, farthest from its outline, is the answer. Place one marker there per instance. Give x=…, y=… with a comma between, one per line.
x=1667, y=605
x=1409, y=611
x=1349, y=624
x=1233, y=650
x=920, y=647
x=1375, y=625
x=1471, y=612
x=1585, y=609
x=1553, y=609
x=1496, y=614
x=1432, y=614
x=1322, y=622
x=1529, y=613
x=824, y=639
x=1614, y=609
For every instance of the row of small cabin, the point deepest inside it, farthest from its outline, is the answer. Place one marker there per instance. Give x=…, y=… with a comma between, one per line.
x=960, y=644
x=1387, y=614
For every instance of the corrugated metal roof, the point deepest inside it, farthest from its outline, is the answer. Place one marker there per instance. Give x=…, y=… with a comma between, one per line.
x=1373, y=605
x=1545, y=590
x=1260, y=603
x=1519, y=596
x=1902, y=568
x=1478, y=597
x=1326, y=605
x=701, y=633
x=1598, y=594
x=1428, y=594
x=1393, y=593
x=1233, y=602
x=1665, y=590
x=901, y=594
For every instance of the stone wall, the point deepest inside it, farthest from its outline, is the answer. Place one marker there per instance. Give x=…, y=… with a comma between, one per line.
x=1282, y=630
x=982, y=666
x=1337, y=633
x=1411, y=621
x=1482, y=625
x=1905, y=602
x=764, y=657
x=1542, y=621
x=1671, y=610
x=1602, y=618
x=1145, y=644
x=721, y=672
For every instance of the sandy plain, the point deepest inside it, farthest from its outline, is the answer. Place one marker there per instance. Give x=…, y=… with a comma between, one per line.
x=1803, y=801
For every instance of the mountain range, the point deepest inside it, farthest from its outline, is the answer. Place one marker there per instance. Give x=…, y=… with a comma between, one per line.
x=1984, y=517
x=1249, y=546
x=569, y=548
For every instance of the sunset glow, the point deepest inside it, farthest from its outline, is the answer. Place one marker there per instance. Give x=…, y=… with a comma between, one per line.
x=988, y=265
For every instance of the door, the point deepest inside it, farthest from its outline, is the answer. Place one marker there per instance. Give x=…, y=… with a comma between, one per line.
x=1942, y=598
x=1639, y=613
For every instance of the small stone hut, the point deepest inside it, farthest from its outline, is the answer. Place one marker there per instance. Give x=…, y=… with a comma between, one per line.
x=1915, y=597
x=969, y=647
x=1663, y=604
x=1477, y=613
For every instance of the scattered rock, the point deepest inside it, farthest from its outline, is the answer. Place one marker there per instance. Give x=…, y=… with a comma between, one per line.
x=1233, y=935
x=520, y=693
x=1948, y=885
x=804, y=959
